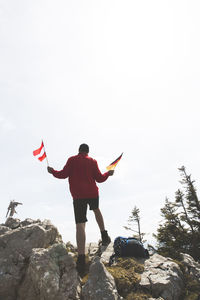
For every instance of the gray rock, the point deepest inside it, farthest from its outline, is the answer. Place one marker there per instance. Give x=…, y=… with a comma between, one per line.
x=51, y=275
x=29, y=221
x=106, y=252
x=100, y=284
x=15, y=249
x=162, y=277
x=12, y=223
x=192, y=267
x=71, y=248
x=4, y=229
x=92, y=249
x=160, y=298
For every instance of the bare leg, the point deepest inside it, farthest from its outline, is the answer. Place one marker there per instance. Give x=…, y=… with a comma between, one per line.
x=80, y=238
x=99, y=219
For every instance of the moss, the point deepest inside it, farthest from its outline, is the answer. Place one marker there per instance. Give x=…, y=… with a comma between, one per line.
x=126, y=280
x=138, y=296
x=130, y=263
x=126, y=273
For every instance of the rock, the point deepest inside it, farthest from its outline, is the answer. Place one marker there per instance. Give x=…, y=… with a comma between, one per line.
x=51, y=275
x=29, y=221
x=162, y=278
x=192, y=267
x=3, y=229
x=15, y=249
x=71, y=248
x=100, y=284
x=12, y=223
x=36, y=265
x=92, y=249
x=160, y=298
x=106, y=252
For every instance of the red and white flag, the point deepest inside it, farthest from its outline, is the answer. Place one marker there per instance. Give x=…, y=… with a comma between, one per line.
x=38, y=151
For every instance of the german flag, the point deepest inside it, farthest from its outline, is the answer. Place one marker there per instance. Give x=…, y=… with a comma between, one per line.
x=114, y=163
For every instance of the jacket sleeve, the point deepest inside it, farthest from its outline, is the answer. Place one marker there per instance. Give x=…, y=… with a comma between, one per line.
x=99, y=177
x=64, y=173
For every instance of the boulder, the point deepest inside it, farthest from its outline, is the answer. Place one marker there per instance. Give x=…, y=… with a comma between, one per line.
x=92, y=249
x=106, y=252
x=12, y=223
x=29, y=221
x=51, y=275
x=3, y=229
x=15, y=249
x=162, y=277
x=192, y=267
x=100, y=284
x=36, y=265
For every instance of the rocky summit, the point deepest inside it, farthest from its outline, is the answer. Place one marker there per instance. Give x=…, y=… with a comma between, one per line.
x=35, y=264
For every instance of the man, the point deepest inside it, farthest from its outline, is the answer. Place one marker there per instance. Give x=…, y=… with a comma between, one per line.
x=83, y=173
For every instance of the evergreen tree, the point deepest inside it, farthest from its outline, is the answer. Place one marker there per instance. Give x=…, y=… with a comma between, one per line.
x=135, y=218
x=180, y=231
x=171, y=234
x=179, y=200
x=193, y=209
x=193, y=204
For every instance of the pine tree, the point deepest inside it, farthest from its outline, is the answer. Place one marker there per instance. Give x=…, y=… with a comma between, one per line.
x=171, y=234
x=135, y=218
x=180, y=231
x=193, y=204
x=179, y=202
x=193, y=211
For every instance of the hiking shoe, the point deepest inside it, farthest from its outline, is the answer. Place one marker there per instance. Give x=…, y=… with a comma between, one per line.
x=80, y=265
x=105, y=238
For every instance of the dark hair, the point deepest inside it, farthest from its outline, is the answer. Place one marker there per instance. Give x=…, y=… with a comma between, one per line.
x=84, y=148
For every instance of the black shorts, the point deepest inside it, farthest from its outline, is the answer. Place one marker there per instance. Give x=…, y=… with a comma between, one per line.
x=80, y=208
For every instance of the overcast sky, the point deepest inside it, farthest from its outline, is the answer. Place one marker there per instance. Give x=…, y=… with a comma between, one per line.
x=122, y=76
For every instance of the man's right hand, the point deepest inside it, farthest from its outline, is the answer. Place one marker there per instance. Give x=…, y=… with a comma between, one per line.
x=111, y=172
x=50, y=170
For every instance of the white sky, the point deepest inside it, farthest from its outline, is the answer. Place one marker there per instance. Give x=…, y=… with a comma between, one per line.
x=122, y=76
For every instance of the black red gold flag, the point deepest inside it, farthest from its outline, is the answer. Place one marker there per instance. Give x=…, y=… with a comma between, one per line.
x=114, y=163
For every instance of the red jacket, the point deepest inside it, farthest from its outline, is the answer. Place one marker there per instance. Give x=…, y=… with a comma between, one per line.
x=83, y=173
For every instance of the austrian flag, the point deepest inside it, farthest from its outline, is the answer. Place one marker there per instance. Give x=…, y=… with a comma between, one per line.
x=38, y=151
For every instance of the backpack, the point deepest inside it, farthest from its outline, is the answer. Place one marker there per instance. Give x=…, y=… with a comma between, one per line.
x=128, y=247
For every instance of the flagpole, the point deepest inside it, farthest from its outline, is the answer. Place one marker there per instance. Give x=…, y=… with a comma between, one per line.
x=46, y=154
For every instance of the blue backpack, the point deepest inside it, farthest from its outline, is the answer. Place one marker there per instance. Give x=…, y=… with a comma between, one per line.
x=128, y=247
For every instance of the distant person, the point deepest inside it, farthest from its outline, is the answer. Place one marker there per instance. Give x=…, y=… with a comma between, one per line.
x=83, y=173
